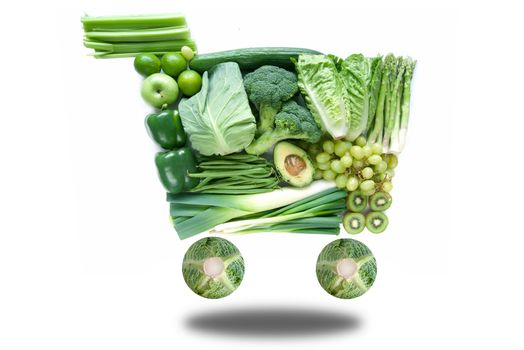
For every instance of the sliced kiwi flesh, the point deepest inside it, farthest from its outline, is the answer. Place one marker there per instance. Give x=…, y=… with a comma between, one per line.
x=380, y=201
x=376, y=221
x=354, y=222
x=356, y=202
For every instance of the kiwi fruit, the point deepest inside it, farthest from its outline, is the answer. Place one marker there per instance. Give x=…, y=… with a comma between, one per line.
x=380, y=201
x=376, y=221
x=356, y=202
x=354, y=222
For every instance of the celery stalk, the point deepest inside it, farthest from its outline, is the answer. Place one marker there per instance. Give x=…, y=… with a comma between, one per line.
x=140, y=35
x=153, y=46
x=125, y=23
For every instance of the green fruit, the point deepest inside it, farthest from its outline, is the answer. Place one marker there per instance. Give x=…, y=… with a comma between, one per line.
x=356, y=202
x=187, y=52
x=173, y=64
x=190, y=82
x=387, y=186
x=293, y=164
x=159, y=89
x=147, y=64
x=376, y=221
x=392, y=161
x=380, y=201
x=354, y=223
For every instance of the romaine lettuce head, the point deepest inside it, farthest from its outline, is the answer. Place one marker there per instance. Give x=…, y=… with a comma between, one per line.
x=324, y=92
x=356, y=72
x=218, y=119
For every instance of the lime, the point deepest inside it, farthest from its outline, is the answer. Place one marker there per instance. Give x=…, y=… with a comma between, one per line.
x=189, y=82
x=173, y=64
x=147, y=64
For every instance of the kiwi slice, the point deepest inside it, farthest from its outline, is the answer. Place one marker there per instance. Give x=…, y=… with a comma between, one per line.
x=354, y=222
x=376, y=221
x=356, y=202
x=380, y=201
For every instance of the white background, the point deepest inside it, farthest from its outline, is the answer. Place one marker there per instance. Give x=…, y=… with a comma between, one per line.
x=88, y=259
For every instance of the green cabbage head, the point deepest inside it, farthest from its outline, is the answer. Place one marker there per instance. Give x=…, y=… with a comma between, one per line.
x=346, y=268
x=218, y=119
x=213, y=267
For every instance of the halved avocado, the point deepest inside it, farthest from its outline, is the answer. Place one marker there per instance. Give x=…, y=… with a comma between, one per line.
x=293, y=164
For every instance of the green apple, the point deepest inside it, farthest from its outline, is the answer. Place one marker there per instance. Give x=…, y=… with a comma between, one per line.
x=159, y=89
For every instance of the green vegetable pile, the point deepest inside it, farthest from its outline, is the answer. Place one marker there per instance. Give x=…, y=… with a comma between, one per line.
x=266, y=140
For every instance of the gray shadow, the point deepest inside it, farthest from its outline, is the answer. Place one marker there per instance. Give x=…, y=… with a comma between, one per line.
x=273, y=321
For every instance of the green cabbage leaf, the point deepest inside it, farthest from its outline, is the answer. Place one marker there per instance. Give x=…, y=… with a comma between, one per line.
x=218, y=119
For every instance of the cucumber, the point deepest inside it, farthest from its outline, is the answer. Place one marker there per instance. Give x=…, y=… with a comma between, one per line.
x=250, y=59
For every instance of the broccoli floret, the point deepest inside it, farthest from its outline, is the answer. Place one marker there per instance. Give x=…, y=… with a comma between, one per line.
x=267, y=87
x=292, y=122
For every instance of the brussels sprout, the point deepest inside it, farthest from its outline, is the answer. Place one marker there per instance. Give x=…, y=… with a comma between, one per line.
x=346, y=268
x=213, y=267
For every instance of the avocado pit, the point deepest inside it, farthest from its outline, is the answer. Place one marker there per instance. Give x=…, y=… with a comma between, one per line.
x=294, y=164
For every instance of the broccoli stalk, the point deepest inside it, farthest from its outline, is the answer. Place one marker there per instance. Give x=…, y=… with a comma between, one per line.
x=267, y=88
x=292, y=122
x=266, y=116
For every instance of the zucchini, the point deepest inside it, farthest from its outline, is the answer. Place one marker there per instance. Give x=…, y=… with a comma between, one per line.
x=251, y=58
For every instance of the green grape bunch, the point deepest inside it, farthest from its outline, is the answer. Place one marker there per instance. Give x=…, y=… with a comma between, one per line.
x=354, y=166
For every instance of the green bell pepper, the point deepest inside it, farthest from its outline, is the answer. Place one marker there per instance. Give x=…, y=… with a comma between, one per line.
x=173, y=168
x=166, y=129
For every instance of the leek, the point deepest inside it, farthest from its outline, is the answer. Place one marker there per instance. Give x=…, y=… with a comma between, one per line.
x=203, y=212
